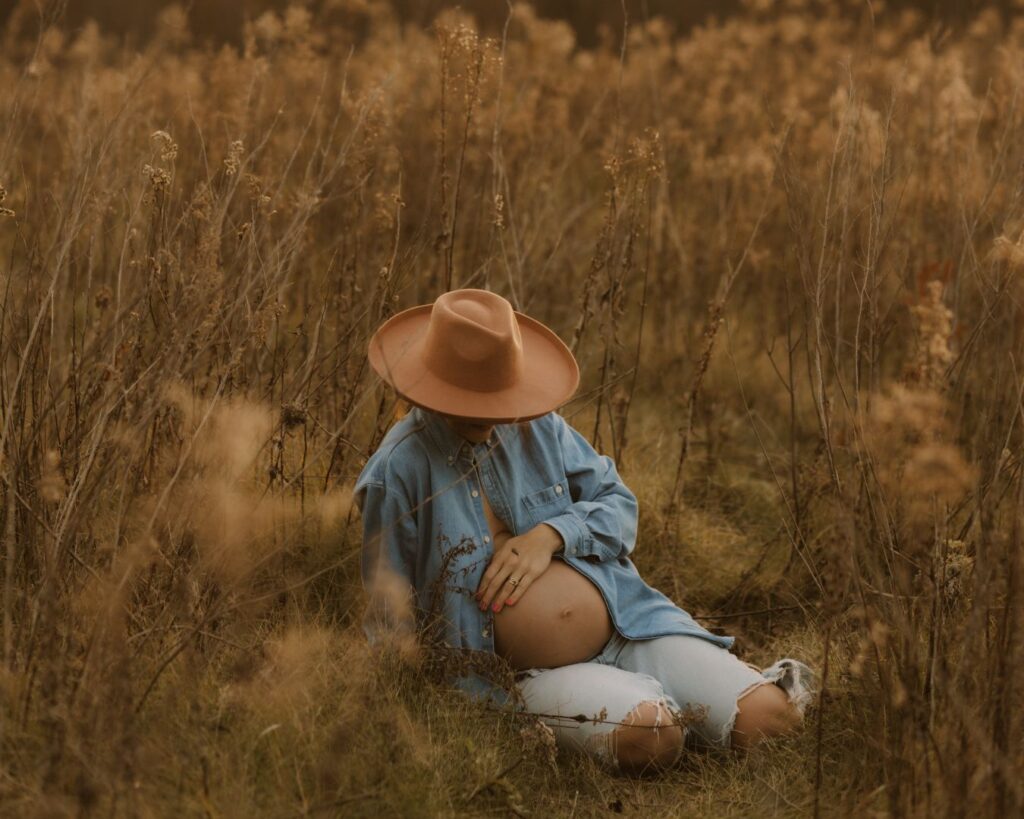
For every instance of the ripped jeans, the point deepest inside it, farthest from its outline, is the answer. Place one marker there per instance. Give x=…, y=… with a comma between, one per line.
x=690, y=675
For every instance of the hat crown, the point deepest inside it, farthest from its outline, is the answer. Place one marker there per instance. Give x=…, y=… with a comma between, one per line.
x=473, y=341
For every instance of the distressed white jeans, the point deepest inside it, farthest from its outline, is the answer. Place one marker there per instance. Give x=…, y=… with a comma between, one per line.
x=584, y=702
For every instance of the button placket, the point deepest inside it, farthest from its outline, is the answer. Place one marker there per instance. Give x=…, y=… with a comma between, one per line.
x=487, y=484
x=488, y=627
x=475, y=493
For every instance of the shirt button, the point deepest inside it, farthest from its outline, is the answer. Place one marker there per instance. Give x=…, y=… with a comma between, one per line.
x=487, y=539
x=474, y=493
x=451, y=459
x=558, y=489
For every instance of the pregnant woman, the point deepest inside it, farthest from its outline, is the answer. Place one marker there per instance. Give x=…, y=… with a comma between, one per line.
x=503, y=523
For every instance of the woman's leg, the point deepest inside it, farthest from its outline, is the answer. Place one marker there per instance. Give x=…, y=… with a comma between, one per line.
x=622, y=718
x=734, y=704
x=763, y=711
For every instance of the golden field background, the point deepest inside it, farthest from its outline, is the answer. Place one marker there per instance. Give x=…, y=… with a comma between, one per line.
x=787, y=250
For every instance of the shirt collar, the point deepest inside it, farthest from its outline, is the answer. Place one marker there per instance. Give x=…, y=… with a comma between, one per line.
x=448, y=441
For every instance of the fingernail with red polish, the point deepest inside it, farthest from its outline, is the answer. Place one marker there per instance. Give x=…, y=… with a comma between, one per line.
x=496, y=606
x=508, y=602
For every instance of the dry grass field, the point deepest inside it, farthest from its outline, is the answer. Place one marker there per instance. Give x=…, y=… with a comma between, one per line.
x=788, y=252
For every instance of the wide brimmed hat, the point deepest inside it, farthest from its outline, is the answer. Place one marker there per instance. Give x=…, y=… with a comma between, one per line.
x=469, y=355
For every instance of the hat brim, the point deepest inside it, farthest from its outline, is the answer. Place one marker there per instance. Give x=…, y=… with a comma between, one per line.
x=550, y=373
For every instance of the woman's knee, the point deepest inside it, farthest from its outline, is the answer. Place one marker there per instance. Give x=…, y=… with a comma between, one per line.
x=764, y=711
x=648, y=738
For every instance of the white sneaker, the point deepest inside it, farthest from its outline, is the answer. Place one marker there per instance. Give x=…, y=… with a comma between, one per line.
x=795, y=678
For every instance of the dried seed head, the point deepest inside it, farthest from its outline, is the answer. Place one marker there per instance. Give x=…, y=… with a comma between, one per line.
x=295, y=669
x=499, y=211
x=860, y=657
x=159, y=179
x=102, y=298
x=907, y=435
x=234, y=158
x=3, y=195
x=933, y=325
x=538, y=736
x=1009, y=250
x=292, y=415
x=939, y=469
x=168, y=147
x=52, y=486
x=879, y=634
x=899, y=693
x=957, y=571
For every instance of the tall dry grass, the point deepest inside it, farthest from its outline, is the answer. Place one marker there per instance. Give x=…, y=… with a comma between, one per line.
x=787, y=250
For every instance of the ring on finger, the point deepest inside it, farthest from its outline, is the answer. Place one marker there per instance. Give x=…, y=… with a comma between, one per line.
x=513, y=582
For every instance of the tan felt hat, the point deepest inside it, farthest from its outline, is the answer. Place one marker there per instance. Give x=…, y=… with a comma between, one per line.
x=469, y=355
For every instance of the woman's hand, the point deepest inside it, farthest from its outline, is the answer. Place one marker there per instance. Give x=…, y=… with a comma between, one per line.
x=521, y=559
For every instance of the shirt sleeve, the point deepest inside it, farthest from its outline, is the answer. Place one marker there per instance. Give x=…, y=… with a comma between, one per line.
x=602, y=520
x=387, y=560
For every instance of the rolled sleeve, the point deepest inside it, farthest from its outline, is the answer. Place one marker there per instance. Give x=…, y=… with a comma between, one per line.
x=602, y=520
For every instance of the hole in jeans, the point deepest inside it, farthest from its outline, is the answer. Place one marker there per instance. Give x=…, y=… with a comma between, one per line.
x=649, y=738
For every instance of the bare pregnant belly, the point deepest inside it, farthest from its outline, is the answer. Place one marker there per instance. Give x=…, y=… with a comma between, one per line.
x=559, y=620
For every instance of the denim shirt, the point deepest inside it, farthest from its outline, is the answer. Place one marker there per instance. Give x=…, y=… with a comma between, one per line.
x=423, y=517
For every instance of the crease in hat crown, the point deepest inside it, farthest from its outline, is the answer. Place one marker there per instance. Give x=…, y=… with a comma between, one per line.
x=473, y=341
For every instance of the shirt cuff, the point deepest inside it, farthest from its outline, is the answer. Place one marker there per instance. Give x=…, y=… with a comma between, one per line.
x=574, y=534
